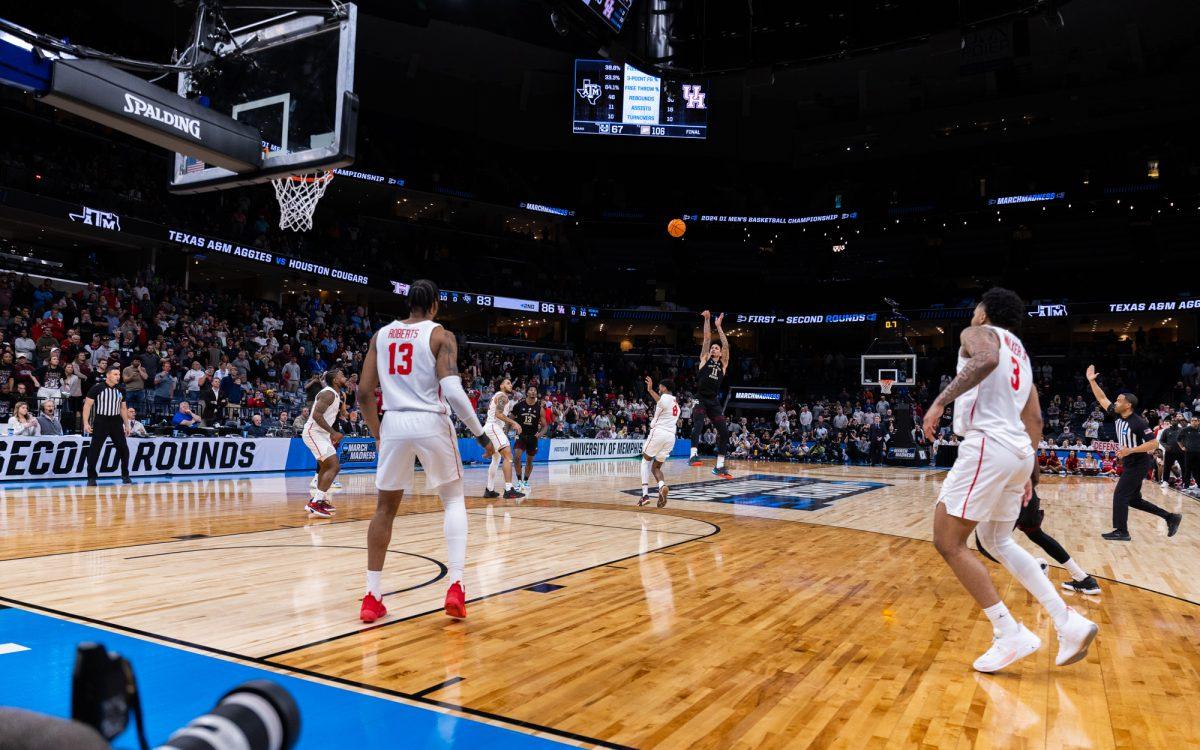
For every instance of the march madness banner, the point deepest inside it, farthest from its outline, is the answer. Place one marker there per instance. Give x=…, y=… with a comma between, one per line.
x=65, y=457
x=357, y=452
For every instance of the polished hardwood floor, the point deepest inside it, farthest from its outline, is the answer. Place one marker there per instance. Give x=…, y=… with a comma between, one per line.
x=813, y=613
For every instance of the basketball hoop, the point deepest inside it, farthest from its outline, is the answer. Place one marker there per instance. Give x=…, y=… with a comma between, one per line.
x=298, y=195
x=885, y=386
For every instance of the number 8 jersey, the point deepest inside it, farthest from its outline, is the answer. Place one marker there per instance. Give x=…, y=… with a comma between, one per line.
x=994, y=407
x=407, y=369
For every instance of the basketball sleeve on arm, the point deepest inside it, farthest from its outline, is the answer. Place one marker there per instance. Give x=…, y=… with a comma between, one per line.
x=453, y=391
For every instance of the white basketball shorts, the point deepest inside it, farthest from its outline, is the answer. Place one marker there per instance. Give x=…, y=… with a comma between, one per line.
x=658, y=444
x=318, y=442
x=495, y=433
x=411, y=435
x=986, y=482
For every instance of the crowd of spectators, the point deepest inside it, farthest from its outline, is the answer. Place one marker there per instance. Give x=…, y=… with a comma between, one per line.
x=210, y=362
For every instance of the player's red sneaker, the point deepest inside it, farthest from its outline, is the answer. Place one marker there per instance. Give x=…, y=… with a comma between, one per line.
x=372, y=609
x=695, y=462
x=722, y=472
x=456, y=601
x=318, y=509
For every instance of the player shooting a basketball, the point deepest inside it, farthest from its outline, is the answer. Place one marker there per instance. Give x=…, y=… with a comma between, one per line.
x=714, y=363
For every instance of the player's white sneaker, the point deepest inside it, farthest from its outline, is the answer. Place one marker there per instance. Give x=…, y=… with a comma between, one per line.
x=1006, y=650
x=1074, y=638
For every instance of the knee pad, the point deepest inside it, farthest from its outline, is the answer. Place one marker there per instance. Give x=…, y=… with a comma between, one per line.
x=997, y=537
x=452, y=492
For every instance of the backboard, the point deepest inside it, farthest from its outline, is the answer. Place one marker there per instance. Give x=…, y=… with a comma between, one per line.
x=291, y=76
x=902, y=368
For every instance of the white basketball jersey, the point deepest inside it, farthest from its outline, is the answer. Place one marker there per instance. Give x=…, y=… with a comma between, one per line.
x=492, y=411
x=994, y=407
x=330, y=414
x=666, y=414
x=407, y=369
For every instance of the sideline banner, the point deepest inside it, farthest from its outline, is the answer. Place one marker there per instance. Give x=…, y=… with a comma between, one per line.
x=65, y=456
x=576, y=449
x=356, y=453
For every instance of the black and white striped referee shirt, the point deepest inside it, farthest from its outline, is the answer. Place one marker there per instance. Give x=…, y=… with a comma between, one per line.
x=1132, y=431
x=106, y=400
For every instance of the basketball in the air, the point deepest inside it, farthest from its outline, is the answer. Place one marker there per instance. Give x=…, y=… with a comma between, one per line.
x=676, y=228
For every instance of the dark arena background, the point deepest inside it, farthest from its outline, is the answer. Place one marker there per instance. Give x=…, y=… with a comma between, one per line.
x=738, y=270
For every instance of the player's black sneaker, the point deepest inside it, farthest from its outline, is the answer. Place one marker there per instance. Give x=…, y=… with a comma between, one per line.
x=512, y=494
x=1173, y=522
x=1086, y=586
x=490, y=493
x=1117, y=535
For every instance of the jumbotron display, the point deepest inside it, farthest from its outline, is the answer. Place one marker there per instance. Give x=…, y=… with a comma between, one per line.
x=612, y=12
x=616, y=99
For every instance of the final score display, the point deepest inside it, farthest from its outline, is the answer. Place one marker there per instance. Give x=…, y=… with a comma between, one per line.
x=615, y=99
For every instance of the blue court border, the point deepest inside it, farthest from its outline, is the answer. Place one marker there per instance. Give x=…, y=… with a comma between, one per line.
x=177, y=685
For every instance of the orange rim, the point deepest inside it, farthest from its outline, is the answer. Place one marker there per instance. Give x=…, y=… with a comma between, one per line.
x=307, y=179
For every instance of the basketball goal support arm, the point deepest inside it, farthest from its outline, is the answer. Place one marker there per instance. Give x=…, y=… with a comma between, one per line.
x=97, y=91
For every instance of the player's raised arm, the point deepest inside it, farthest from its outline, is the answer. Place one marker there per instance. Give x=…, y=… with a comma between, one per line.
x=368, y=383
x=1097, y=391
x=445, y=355
x=707, y=339
x=724, y=344
x=650, y=389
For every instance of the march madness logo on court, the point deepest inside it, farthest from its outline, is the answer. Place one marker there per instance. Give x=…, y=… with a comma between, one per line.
x=770, y=491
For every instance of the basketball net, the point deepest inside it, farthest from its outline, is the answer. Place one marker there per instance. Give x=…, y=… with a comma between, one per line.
x=885, y=386
x=298, y=195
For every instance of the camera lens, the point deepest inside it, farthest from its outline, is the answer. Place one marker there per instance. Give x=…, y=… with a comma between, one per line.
x=257, y=715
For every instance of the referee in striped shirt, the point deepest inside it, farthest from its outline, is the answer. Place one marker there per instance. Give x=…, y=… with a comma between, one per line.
x=1138, y=443
x=105, y=416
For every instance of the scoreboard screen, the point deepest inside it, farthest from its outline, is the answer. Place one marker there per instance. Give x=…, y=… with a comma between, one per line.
x=612, y=12
x=616, y=99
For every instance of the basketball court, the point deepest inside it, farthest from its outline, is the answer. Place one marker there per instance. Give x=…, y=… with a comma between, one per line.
x=794, y=605
x=790, y=606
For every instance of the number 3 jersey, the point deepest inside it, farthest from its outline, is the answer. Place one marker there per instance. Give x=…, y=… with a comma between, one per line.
x=993, y=408
x=407, y=369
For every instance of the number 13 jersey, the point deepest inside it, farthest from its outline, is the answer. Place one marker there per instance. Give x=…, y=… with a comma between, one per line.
x=407, y=369
x=994, y=407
